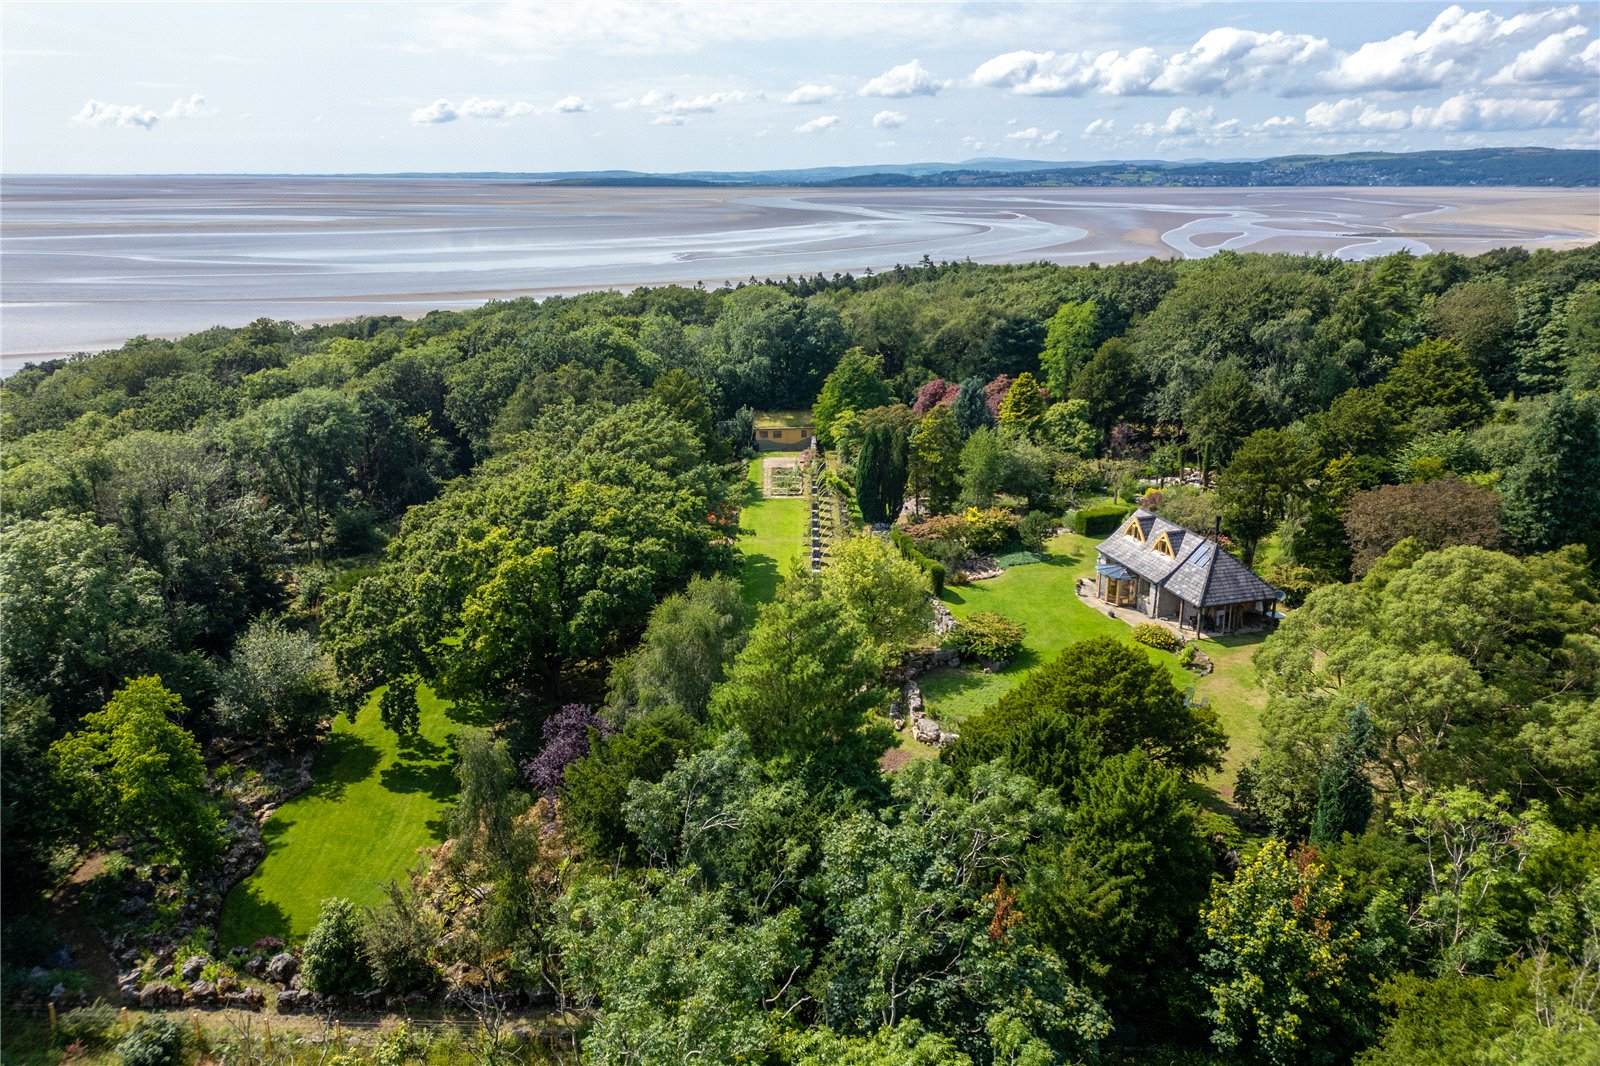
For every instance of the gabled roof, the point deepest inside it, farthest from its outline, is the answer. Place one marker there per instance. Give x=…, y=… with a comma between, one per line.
x=1200, y=573
x=1142, y=558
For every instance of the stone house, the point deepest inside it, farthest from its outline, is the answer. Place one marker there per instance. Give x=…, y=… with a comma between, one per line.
x=1167, y=572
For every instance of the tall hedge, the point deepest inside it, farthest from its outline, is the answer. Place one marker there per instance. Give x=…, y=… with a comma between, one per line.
x=1100, y=521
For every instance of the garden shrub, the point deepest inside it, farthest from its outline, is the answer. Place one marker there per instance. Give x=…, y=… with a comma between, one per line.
x=1034, y=530
x=94, y=1026
x=990, y=529
x=1099, y=521
x=332, y=961
x=1154, y=636
x=155, y=1041
x=988, y=637
x=931, y=567
x=945, y=527
x=1186, y=657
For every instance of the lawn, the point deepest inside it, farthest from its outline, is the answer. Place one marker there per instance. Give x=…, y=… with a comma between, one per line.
x=375, y=801
x=771, y=536
x=1043, y=599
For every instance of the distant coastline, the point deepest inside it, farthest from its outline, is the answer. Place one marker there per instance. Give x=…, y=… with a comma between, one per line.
x=1528, y=167
x=91, y=261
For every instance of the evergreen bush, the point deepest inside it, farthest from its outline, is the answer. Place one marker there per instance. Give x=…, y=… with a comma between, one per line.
x=988, y=637
x=1159, y=637
x=154, y=1041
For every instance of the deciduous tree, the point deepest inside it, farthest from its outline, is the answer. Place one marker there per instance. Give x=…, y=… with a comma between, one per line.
x=132, y=769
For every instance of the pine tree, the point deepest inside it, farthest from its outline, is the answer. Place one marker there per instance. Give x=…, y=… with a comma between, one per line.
x=1344, y=798
x=971, y=407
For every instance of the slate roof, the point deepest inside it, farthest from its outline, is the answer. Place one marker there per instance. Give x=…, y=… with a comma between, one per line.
x=1199, y=573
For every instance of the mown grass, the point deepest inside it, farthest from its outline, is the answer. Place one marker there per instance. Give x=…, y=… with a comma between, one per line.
x=771, y=537
x=377, y=798
x=1043, y=598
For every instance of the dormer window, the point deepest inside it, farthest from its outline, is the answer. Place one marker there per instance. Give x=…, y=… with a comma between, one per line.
x=1163, y=545
x=1134, y=530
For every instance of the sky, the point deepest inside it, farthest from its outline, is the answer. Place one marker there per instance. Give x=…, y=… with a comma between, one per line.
x=442, y=87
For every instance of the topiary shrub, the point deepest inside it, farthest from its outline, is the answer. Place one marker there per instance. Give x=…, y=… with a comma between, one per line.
x=988, y=637
x=153, y=1042
x=1154, y=636
x=332, y=961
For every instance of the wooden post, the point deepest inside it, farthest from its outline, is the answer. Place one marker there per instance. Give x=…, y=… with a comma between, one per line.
x=266, y=1025
x=52, y=1006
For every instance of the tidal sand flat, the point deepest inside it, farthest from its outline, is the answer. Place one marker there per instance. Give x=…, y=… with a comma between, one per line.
x=87, y=262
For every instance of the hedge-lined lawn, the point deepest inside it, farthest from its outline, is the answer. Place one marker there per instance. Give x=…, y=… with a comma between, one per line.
x=375, y=801
x=771, y=536
x=1043, y=598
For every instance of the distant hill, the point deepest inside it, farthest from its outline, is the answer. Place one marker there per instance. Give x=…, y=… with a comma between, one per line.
x=1554, y=167
x=1480, y=166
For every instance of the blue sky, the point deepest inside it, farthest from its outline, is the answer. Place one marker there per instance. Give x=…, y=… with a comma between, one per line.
x=153, y=88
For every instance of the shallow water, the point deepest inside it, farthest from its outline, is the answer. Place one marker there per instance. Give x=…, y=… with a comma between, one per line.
x=86, y=262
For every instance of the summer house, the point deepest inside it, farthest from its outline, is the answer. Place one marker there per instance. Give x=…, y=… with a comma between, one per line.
x=1165, y=571
x=783, y=431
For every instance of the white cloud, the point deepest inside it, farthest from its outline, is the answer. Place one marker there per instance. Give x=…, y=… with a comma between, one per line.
x=818, y=124
x=1034, y=135
x=1469, y=111
x=668, y=120
x=1560, y=57
x=1464, y=112
x=908, y=79
x=439, y=111
x=1100, y=127
x=888, y=120
x=1355, y=114
x=1222, y=61
x=1182, y=121
x=442, y=111
x=128, y=116
x=1426, y=59
x=1037, y=73
x=569, y=105
x=813, y=94
x=664, y=103
x=194, y=106
x=516, y=29
x=1226, y=60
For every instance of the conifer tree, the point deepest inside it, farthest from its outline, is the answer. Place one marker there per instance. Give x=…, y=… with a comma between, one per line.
x=1344, y=798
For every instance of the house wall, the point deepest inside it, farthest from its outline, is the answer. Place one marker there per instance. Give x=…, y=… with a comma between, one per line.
x=782, y=438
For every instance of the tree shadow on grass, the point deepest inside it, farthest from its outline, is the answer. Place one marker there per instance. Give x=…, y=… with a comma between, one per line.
x=247, y=917
x=759, y=575
x=435, y=779
x=1238, y=640
x=415, y=746
x=477, y=713
x=344, y=760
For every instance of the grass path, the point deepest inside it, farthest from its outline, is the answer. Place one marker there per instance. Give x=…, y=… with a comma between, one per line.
x=375, y=801
x=1042, y=597
x=771, y=536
